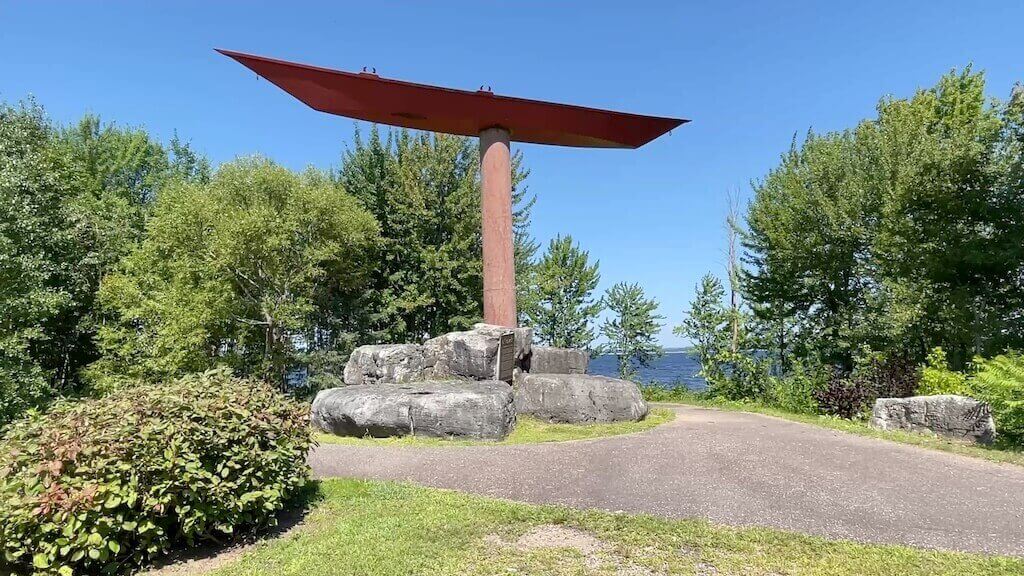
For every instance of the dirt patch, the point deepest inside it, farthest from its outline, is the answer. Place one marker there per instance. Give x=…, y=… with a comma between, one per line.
x=555, y=536
x=596, y=552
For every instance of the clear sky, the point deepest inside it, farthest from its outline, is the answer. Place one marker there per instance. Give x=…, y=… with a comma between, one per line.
x=750, y=75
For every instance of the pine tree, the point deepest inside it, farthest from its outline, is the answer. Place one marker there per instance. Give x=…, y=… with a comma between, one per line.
x=707, y=326
x=633, y=328
x=562, y=307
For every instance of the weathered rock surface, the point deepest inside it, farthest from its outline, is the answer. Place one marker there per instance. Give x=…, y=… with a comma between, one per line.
x=947, y=415
x=524, y=337
x=474, y=353
x=549, y=360
x=437, y=408
x=578, y=398
x=470, y=354
x=387, y=363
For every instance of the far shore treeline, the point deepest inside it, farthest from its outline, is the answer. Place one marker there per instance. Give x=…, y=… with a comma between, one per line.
x=886, y=259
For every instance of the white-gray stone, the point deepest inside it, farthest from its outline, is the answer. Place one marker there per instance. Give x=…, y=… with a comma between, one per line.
x=948, y=415
x=524, y=337
x=436, y=408
x=387, y=363
x=474, y=353
x=470, y=354
x=550, y=360
x=578, y=398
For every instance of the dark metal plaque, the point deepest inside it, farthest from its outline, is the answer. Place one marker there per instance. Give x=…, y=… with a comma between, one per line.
x=506, y=357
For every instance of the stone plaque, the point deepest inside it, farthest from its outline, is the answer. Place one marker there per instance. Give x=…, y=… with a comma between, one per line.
x=506, y=357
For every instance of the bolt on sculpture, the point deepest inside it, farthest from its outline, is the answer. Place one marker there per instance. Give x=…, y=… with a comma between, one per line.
x=496, y=120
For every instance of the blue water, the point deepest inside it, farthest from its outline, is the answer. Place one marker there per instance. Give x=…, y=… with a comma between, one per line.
x=672, y=369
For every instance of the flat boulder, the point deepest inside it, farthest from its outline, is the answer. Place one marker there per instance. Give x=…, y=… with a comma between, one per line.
x=947, y=415
x=435, y=408
x=387, y=363
x=550, y=360
x=578, y=398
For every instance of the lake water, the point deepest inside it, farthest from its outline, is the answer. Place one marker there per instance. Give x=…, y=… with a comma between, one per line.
x=672, y=369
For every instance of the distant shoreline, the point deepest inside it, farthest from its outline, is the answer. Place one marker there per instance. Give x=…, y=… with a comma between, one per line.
x=686, y=350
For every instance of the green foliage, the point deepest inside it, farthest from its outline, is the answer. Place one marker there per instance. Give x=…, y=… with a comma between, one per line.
x=937, y=378
x=706, y=325
x=632, y=330
x=1000, y=383
x=795, y=392
x=72, y=204
x=424, y=190
x=562, y=308
x=237, y=271
x=102, y=483
x=904, y=233
x=38, y=254
x=730, y=360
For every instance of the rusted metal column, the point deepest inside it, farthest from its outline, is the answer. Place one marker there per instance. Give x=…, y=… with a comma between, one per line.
x=496, y=204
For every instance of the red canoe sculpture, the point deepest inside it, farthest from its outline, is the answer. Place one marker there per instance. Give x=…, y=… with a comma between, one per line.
x=366, y=96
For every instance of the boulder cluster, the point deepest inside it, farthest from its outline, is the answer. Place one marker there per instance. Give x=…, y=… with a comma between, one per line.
x=447, y=387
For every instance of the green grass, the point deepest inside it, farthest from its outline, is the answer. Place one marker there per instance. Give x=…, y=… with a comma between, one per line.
x=997, y=453
x=527, y=431
x=369, y=528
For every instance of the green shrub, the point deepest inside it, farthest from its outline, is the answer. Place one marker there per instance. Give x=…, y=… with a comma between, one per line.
x=110, y=482
x=678, y=392
x=1000, y=383
x=937, y=378
x=795, y=392
x=742, y=377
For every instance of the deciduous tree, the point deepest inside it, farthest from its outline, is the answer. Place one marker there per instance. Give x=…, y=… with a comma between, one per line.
x=562, y=307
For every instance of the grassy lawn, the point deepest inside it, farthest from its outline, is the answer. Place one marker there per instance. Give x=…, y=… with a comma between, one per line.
x=528, y=431
x=993, y=453
x=378, y=528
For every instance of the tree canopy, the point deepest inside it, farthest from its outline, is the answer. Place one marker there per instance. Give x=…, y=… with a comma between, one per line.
x=562, y=308
x=424, y=190
x=904, y=233
x=242, y=270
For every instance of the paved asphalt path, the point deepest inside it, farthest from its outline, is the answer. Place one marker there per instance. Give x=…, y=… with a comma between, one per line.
x=734, y=468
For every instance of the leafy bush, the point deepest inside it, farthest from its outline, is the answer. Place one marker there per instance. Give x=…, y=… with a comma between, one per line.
x=795, y=392
x=1000, y=383
x=740, y=376
x=678, y=392
x=937, y=378
x=845, y=396
x=111, y=482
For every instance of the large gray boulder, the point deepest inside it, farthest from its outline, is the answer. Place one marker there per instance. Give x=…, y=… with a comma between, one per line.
x=452, y=408
x=550, y=360
x=387, y=363
x=470, y=354
x=948, y=415
x=578, y=398
x=474, y=353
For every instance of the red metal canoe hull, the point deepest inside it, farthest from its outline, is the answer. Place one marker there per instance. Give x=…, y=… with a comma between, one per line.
x=366, y=96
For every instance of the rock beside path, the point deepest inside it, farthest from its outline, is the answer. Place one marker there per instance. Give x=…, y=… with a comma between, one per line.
x=948, y=415
x=578, y=398
x=550, y=360
x=436, y=408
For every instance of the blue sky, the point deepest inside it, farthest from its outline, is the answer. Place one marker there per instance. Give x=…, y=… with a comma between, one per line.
x=750, y=75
